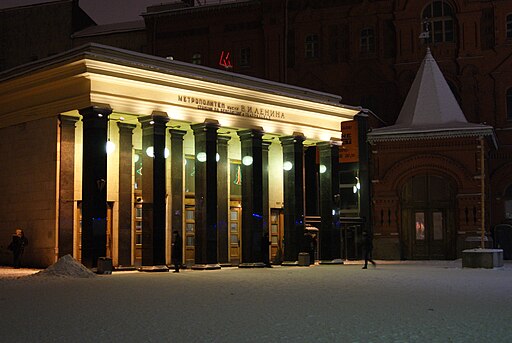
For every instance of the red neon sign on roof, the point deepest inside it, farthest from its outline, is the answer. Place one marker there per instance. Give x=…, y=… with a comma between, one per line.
x=225, y=59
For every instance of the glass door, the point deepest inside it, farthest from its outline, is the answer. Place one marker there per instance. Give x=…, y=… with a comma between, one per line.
x=276, y=234
x=234, y=235
x=190, y=227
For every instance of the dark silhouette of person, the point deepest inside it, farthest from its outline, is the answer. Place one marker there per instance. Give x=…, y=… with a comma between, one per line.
x=176, y=251
x=309, y=245
x=17, y=246
x=265, y=243
x=368, y=247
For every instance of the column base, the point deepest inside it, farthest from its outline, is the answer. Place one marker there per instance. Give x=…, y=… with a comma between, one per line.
x=211, y=266
x=290, y=263
x=329, y=262
x=159, y=268
x=252, y=265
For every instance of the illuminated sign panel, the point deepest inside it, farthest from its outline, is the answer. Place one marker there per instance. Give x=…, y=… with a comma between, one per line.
x=349, y=151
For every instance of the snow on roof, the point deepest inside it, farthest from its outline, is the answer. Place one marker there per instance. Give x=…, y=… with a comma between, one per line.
x=111, y=28
x=430, y=110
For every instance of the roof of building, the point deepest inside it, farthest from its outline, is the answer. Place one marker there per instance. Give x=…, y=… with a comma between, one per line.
x=111, y=29
x=430, y=110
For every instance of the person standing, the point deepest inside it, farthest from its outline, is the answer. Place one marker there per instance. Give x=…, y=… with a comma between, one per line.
x=368, y=247
x=265, y=243
x=176, y=252
x=17, y=246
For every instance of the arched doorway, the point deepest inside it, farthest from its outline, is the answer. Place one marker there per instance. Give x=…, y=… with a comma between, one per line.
x=428, y=218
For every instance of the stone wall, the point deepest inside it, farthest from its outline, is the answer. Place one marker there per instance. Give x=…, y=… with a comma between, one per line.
x=28, y=183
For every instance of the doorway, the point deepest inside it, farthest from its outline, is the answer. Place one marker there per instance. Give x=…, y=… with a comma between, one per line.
x=78, y=242
x=234, y=235
x=428, y=218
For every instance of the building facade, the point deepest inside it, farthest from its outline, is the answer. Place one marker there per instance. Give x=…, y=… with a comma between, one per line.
x=218, y=156
x=367, y=51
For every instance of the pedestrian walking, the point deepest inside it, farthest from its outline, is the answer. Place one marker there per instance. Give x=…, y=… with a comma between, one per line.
x=368, y=247
x=176, y=251
x=17, y=246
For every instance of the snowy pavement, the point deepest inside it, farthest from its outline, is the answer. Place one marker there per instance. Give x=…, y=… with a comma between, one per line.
x=395, y=302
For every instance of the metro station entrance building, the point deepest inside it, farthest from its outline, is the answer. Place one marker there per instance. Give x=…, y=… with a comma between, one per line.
x=217, y=156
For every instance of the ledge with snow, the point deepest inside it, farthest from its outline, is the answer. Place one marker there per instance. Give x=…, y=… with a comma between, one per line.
x=482, y=258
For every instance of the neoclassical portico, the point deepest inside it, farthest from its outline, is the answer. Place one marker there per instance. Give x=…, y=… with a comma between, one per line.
x=217, y=156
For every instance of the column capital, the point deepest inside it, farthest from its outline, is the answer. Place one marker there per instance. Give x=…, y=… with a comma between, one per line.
x=250, y=133
x=125, y=126
x=207, y=125
x=158, y=118
x=328, y=145
x=177, y=134
x=297, y=137
x=68, y=120
x=96, y=110
x=223, y=139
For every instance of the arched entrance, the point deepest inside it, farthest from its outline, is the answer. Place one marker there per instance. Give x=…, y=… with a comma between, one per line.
x=428, y=218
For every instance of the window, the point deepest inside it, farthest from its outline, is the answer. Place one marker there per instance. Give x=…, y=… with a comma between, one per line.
x=508, y=203
x=190, y=172
x=245, y=57
x=509, y=104
x=509, y=26
x=311, y=46
x=438, y=20
x=197, y=58
x=367, y=42
x=349, y=193
x=235, y=173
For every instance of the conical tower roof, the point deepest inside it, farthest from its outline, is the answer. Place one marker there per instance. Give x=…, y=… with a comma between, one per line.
x=430, y=110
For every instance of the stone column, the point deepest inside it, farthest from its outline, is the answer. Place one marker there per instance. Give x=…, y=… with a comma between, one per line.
x=153, y=189
x=252, y=197
x=266, y=203
x=67, y=184
x=94, y=184
x=177, y=181
x=206, y=195
x=364, y=176
x=223, y=200
x=293, y=179
x=125, y=193
x=330, y=234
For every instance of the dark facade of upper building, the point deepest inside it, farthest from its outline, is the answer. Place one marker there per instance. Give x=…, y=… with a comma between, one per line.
x=366, y=51
x=30, y=33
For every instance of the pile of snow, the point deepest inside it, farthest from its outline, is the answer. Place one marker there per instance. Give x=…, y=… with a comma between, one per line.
x=66, y=266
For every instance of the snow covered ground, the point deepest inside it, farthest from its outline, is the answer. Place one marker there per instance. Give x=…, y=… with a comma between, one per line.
x=395, y=302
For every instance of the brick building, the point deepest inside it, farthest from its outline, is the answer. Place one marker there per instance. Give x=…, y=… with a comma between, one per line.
x=367, y=51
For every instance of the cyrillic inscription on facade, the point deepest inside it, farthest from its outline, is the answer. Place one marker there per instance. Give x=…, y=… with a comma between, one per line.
x=240, y=110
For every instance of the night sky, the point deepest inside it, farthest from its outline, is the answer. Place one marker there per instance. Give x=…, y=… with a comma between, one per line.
x=102, y=11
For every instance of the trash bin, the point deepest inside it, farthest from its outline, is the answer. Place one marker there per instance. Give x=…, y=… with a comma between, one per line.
x=303, y=259
x=104, y=265
x=503, y=239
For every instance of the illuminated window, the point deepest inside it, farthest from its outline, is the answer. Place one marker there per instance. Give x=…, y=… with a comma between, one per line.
x=509, y=104
x=367, y=40
x=311, y=46
x=245, y=57
x=197, y=58
x=438, y=19
x=190, y=172
x=349, y=193
x=509, y=26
